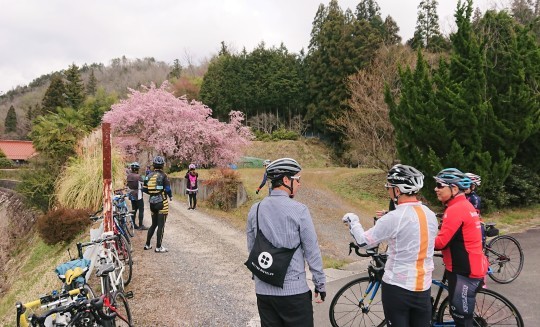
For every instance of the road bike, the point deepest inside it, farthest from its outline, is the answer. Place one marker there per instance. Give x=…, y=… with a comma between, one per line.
x=504, y=255
x=359, y=303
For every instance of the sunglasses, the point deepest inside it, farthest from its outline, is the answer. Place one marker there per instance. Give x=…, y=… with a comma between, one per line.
x=388, y=186
x=296, y=178
x=441, y=185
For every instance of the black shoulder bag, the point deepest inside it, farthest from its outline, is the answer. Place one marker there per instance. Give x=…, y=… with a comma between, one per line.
x=267, y=262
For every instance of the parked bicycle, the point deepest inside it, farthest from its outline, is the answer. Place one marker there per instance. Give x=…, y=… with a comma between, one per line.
x=122, y=213
x=67, y=308
x=359, y=303
x=504, y=254
x=110, y=271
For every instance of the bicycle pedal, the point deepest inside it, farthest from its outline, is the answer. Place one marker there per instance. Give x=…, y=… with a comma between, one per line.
x=129, y=295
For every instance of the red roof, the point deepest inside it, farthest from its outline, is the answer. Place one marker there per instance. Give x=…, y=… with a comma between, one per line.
x=17, y=150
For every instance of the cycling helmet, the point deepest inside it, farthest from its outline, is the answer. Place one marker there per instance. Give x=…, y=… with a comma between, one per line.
x=407, y=179
x=474, y=178
x=453, y=176
x=279, y=168
x=158, y=161
x=266, y=162
x=135, y=165
x=191, y=166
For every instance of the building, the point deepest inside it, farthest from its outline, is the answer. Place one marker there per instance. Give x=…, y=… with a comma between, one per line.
x=18, y=151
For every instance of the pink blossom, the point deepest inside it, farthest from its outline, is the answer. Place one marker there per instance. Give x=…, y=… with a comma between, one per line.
x=158, y=122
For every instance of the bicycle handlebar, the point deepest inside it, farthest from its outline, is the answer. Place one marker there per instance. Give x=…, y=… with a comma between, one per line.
x=80, y=245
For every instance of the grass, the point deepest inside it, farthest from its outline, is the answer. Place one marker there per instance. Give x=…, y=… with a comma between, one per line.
x=329, y=262
x=515, y=220
x=32, y=273
x=14, y=174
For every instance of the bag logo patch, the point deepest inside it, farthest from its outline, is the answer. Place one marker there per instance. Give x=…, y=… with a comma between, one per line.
x=265, y=260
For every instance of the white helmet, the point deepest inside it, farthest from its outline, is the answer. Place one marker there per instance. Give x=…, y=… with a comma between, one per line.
x=477, y=180
x=408, y=179
x=282, y=167
x=266, y=162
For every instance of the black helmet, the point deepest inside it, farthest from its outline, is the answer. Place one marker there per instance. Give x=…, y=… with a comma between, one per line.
x=279, y=168
x=408, y=179
x=135, y=165
x=158, y=161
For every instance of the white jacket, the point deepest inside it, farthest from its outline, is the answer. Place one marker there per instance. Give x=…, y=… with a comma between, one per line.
x=410, y=232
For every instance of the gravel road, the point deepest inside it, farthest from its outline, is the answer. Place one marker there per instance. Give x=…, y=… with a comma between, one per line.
x=202, y=280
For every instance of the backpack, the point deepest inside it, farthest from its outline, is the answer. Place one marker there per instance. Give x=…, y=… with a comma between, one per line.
x=154, y=182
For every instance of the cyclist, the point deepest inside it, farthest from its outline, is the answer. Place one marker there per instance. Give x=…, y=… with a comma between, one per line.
x=287, y=223
x=263, y=183
x=470, y=193
x=192, y=178
x=157, y=185
x=135, y=184
x=460, y=240
x=410, y=230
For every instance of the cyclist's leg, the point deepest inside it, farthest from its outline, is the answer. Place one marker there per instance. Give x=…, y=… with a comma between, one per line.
x=194, y=200
x=140, y=204
x=289, y=311
x=134, y=208
x=161, y=229
x=190, y=196
x=152, y=228
x=462, y=294
x=396, y=305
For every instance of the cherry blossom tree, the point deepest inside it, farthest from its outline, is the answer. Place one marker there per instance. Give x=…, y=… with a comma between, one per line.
x=157, y=122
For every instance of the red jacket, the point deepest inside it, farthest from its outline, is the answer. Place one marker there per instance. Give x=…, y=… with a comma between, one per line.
x=460, y=239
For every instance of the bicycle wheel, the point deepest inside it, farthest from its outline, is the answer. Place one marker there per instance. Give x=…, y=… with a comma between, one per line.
x=121, y=307
x=124, y=255
x=505, y=258
x=130, y=227
x=350, y=308
x=491, y=309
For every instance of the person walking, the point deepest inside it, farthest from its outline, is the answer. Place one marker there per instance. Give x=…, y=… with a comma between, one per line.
x=287, y=224
x=157, y=185
x=460, y=241
x=192, y=179
x=410, y=230
x=135, y=183
x=263, y=183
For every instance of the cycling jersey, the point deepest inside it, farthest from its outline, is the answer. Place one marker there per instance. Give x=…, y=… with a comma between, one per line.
x=475, y=200
x=157, y=183
x=460, y=239
x=410, y=231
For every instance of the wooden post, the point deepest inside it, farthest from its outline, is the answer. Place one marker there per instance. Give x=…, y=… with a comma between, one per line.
x=107, y=177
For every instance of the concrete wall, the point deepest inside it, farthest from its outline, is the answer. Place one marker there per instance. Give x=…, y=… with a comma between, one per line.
x=178, y=186
x=9, y=184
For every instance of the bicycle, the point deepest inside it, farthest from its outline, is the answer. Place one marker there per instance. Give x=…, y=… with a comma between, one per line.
x=69, y=308
x=110, y=274
x=504, y=255
x=123, y=249
x=121, y=211
x=359, y=303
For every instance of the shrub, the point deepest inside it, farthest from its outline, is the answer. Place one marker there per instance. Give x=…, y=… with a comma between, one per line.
x=62, y=224
x=522, y=186
x=37, y=184
x=5, y=163
x=224, y=186
x=284, y=134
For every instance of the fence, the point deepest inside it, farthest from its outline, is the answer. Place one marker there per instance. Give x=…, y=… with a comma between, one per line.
x=178, y=186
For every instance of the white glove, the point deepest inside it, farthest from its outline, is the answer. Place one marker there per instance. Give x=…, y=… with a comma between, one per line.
x=350, y=219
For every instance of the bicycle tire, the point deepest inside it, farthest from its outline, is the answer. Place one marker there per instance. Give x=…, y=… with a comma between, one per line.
x=346, y=310
x=123, y=250
x=505, y=258
x=491, y=309
x=130, y=228
x=123, y=313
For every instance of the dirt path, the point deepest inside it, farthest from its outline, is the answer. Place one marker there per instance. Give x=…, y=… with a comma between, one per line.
x=201, y=281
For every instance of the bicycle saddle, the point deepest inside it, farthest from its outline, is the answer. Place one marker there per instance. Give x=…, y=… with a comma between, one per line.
x=105, y=269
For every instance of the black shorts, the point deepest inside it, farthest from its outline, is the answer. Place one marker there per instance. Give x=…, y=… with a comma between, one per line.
x=285, y=311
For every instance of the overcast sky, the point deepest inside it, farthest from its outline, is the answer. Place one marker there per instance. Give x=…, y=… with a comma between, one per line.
x=41, y=36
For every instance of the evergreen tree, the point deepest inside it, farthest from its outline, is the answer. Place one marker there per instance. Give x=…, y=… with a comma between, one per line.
x=176, y=70
x=391, y=32
x=427, y=34
x=340, y=45
x=55, y=95
x=11, y=120
x=91, y=86
x=94, y=107
x=74, y=87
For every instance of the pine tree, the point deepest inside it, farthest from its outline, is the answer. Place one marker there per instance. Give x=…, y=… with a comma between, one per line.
x=11, y=120
x=74, y=87
x=55, y=95
x=91, y=86
x=427, y=34
x=391, y=31
x=176, y=70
